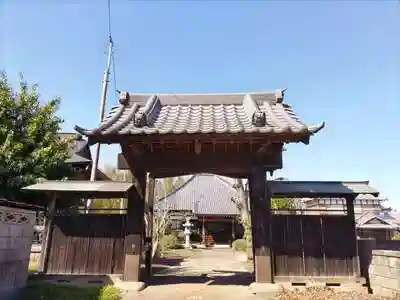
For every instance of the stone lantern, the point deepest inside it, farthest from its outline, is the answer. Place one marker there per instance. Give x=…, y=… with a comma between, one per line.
x=187, y=232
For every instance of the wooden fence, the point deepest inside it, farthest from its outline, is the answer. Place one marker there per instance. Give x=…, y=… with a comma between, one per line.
x=87, y=244
x=313, y=246
x=304, y=246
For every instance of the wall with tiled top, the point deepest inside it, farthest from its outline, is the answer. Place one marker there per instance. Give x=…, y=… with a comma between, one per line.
x=384, y=272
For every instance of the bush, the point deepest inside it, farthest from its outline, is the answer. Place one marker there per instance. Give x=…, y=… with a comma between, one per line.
x=169, y=242
x=239, y=245
x=109, y=292
x=396, y=237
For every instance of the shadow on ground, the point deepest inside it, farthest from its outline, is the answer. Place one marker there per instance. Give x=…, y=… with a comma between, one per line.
x=78, y=280
x=214, y=277
x=221, y=277
x=170, y=261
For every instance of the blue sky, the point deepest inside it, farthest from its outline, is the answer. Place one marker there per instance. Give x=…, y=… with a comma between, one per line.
x=339, y=60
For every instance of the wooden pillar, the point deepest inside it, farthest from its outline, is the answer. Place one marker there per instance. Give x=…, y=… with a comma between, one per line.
x=149, y=229
x=260, y=202
x=134, y=227
x=46, y=242
x=233, y=229
x=203, y=232
x=354, y=242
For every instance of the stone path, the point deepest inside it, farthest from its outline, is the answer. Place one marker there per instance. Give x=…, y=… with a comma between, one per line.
x=208, y=274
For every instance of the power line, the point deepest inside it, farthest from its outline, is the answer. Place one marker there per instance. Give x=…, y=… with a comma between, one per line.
x=109, y=19
x=114, y=75
x=112, y=51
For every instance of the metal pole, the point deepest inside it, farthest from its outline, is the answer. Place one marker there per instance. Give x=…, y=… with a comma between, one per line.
x=102, y=107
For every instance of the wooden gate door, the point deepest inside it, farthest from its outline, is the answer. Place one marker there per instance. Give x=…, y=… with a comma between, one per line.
x=87, y=244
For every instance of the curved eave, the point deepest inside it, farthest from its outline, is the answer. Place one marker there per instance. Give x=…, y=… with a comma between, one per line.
x=128, y=113
x=309, y=130
x=313, y=129
x=85, y=132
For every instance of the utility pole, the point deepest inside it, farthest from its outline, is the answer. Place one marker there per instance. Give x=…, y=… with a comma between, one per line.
x=102, y=107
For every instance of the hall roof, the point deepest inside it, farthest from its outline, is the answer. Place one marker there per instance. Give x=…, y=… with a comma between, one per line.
x=319, y=189
x=79, y=151
x=96, y=189
x=161, y=114
x=202, y=194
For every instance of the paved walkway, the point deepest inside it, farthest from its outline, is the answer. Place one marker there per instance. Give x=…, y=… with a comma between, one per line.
x=207, y=274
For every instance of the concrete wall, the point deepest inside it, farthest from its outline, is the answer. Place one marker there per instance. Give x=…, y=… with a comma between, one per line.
x=384, y=272
x=16, y=233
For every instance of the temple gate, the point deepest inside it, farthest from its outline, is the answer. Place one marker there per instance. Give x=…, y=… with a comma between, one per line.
x=237, y=135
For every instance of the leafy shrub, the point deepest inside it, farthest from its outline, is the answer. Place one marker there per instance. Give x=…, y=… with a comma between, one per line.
x=169, y=242
x=239, y=245
x=109, y=292
x=396, y=237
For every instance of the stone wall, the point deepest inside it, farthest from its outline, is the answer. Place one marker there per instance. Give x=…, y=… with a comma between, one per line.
x=16, y=234
x=384, y=272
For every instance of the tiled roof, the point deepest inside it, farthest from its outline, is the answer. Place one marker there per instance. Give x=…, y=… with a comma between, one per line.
x=389, y=217
x=328, y=188
x=83, y=188
x=79, y=151
x=202, y=194
x=201, y=113
x=359, y=197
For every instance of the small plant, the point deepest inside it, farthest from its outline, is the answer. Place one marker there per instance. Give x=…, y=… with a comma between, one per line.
x=170, y=242
x=396, y=237
x=239, y=245
x=109, y=292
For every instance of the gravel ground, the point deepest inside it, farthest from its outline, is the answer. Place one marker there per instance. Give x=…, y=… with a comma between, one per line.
x=327, y=294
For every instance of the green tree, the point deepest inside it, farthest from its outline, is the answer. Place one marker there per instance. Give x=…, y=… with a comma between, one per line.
x=396, y=237
x=30, y=147
x=112, y=205
x=282, y=203
x=168, y=183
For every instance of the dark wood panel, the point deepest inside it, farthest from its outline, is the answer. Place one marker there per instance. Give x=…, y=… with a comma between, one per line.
x=338, y=235
x=314, y=260
x=313, y=246
x=87, y=244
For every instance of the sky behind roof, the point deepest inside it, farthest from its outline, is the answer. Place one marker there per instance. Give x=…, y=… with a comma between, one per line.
x=339, y=60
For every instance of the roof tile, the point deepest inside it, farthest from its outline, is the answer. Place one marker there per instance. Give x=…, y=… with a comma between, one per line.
x=202, y=194
x=192, y=113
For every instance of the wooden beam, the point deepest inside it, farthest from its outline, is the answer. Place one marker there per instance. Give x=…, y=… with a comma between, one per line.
x=351, y=216
x=122, y=164
x=140, y=138
x=134, y=228
x=260, y=201
x=50, y=212
x=233, y=163
x=149, y=229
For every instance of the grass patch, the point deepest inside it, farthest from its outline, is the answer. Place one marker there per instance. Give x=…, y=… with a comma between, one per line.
x=40, y=290
x=33, y=266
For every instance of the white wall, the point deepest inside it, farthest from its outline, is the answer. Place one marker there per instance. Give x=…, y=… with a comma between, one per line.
x=16, y=234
